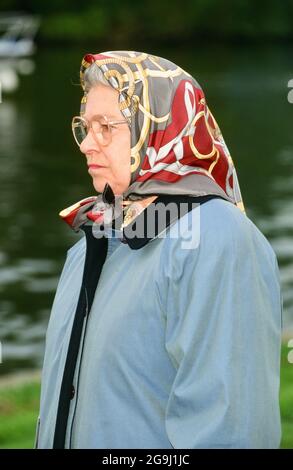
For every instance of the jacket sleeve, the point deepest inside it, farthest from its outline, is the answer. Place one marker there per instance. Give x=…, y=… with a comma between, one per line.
x=223, y=334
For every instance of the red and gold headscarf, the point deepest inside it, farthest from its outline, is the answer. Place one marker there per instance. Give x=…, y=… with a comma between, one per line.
x=176, y=144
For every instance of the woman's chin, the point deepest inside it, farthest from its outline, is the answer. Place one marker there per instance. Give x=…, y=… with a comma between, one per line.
x=117, y=188
x=99, y=184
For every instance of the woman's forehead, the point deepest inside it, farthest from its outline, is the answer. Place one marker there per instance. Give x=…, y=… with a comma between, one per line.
x=102, y=100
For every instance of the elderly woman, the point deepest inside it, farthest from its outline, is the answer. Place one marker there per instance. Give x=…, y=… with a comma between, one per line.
x=166, y=324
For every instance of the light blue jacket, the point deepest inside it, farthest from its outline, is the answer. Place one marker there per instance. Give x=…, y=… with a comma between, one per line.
x=182, y=345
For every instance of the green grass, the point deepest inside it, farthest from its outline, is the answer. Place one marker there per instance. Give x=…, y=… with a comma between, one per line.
x=286, y=400
x=19, y=407
x=19, y=410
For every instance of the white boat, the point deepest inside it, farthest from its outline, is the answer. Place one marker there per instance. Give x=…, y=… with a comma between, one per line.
x=17, y=32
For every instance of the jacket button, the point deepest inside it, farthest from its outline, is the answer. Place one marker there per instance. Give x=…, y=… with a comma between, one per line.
x=72, y=392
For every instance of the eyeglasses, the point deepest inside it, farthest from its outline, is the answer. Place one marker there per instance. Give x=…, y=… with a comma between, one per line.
x=99, y=125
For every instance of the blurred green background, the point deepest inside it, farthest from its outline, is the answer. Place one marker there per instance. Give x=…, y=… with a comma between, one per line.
x=73, y=21
x=240, y=52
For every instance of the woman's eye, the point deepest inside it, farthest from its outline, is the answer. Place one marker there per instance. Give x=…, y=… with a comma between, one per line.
x=98, y=126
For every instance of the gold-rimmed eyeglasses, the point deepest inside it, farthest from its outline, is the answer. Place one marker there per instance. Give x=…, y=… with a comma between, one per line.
x=100, y=126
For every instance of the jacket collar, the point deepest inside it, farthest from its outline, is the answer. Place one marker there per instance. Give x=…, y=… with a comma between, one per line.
x=151, y=222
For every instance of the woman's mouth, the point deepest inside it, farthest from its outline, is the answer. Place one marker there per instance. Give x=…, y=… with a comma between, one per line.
x=94, y=165
x=94, y=168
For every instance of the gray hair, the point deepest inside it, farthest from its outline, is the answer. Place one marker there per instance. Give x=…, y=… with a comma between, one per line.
x=93, y=75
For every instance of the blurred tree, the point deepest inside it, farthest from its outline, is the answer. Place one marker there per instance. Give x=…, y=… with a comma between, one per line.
x=75, y=21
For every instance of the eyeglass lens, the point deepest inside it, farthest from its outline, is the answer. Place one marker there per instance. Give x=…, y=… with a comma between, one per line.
x=100, y=129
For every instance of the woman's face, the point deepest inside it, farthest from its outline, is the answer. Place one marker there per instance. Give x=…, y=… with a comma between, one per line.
x=113, y=160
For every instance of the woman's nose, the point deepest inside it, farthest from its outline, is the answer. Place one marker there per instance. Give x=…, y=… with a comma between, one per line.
x=89, y=144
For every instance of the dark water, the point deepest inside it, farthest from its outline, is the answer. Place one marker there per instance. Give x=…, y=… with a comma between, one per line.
x=41, y=172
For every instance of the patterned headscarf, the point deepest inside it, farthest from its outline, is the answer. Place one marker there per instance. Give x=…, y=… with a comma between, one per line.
x=177, y=147
x=176, y=144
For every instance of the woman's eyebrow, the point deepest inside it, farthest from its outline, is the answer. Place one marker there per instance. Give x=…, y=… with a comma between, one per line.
x=108, y=116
